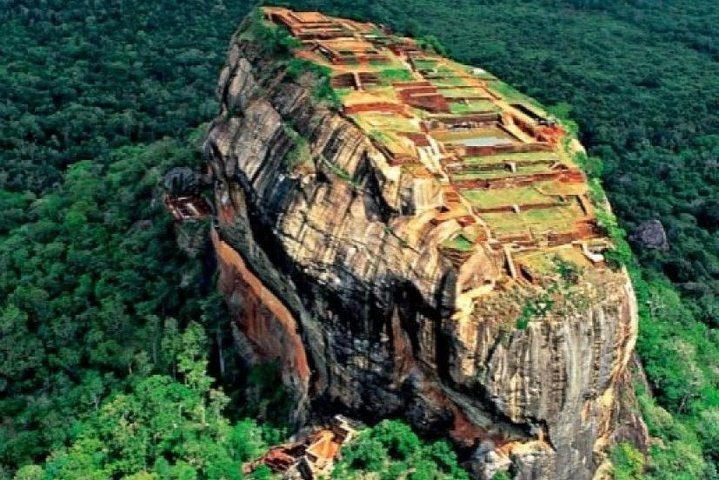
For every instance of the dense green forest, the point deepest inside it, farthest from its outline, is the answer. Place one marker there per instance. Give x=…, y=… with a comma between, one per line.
x=95, y=294
x=103, y=318
x=80, y=78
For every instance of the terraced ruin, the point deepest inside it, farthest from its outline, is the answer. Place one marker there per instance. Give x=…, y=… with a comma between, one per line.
x=489, y=165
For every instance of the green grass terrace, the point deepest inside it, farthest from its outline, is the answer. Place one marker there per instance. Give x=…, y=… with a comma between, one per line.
x=512, y=95
x=449, y=81
x=518, y=158
x=499, y=170
x=464, y=92
x=425, y=64
x=473, y=106
x=385, y=122
x=459, y=242
x=387, y=76
x=481, y=137
x=505, y=197
x=542, y=192
x=556, y=219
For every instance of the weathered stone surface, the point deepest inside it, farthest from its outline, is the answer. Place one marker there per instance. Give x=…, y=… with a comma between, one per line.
x=651, y=234
x=181, y=181
x=336, y=279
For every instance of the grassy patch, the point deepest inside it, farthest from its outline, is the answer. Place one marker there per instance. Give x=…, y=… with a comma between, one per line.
x=628, y=462
x=271, y=37
x=343, y=93
x=499, y=172
x=390, y=75
x=536, y=307
x=322, y=90
x=379, y=122
x=551, y=215
x=498, y=197
x=381, y=137
x=448, y=82
x=340, y=172
x=425, y=63
x=561, y=218
x=512, y=95
x=511, y=157
x=475, y=133
x=554, y=187
x=459, y=242
x=300, y=152
x=472, y=106
x=462, y=92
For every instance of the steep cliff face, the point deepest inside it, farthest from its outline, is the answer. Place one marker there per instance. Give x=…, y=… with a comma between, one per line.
x=331, y=259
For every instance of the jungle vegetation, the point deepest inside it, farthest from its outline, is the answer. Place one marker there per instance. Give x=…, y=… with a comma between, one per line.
x=102, y=318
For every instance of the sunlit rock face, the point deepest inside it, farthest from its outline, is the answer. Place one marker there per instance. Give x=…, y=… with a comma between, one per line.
x=334, y=260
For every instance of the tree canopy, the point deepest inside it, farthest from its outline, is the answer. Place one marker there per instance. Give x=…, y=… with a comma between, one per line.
x=97, y=303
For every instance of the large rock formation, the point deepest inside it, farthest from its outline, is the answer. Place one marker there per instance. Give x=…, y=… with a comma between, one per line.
x=331, y=259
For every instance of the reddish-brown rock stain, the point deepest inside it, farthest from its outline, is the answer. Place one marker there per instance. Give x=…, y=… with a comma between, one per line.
x=264, y=319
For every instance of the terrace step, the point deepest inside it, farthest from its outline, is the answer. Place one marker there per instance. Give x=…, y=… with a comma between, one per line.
x=412, y=84
x=570, y=177
x=504, y=165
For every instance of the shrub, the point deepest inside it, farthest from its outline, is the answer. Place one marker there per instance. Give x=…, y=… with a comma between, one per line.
x=275, y=39
x=628, y=462
x=432, y=43
x=392, y=448
x=502, y=475
x=322, y=90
